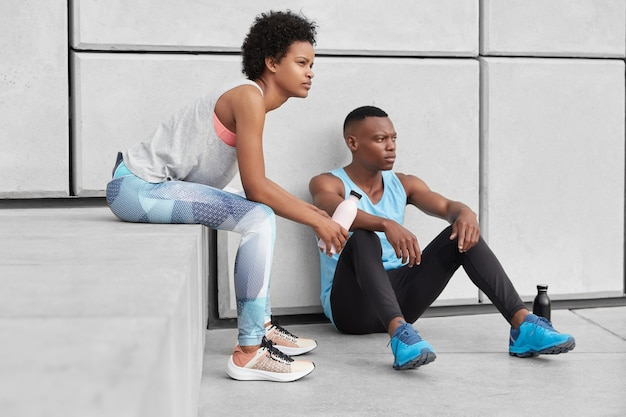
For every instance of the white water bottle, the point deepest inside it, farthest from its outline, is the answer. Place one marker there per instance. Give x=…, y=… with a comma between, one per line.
x=344, y=215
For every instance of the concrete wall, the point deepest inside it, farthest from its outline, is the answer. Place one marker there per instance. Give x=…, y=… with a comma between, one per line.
x=516, y=108
x=34, y=107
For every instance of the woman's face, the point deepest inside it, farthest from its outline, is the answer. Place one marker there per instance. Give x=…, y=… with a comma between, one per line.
x=295, y=71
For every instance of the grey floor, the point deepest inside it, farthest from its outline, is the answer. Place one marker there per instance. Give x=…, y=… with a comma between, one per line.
x=472, y=376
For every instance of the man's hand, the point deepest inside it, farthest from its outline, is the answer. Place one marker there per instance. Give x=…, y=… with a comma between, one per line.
x=466, y=229
x=404, y=242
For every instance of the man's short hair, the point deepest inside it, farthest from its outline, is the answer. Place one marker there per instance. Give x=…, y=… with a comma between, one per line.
x=359, y=114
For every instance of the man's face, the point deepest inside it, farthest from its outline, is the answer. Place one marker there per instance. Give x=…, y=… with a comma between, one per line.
x=373, y=142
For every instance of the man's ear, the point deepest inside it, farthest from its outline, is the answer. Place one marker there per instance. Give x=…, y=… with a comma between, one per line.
x=270, y=63
x=351, y=142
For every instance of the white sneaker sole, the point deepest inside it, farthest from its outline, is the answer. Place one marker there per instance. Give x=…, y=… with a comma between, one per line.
x=245, y=374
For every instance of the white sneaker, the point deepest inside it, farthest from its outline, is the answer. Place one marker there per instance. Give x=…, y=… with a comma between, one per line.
x=267, y=364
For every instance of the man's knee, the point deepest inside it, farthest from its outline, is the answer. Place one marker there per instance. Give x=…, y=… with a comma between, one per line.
x=361, y=234
x=365, y=240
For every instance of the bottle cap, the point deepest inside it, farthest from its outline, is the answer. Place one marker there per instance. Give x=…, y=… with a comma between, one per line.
x=354, y=193
x=542, y=287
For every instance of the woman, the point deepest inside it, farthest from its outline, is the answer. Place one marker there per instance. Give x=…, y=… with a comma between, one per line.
x=178, y=176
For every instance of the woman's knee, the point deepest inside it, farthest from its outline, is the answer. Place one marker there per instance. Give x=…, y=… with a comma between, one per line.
x=265, y=215
x=269, y=212
x=258, y=219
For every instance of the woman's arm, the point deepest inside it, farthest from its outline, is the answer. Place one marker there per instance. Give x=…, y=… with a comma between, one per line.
x=249, y=114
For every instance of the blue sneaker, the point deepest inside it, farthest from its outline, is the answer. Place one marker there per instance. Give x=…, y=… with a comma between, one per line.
x=409, y=349
x=536, y=336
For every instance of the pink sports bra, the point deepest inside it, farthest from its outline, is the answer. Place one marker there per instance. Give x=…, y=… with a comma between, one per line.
x=224, y=134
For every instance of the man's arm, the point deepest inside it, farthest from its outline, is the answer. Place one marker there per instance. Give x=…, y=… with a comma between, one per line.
x=464, y=221
x=328, y=191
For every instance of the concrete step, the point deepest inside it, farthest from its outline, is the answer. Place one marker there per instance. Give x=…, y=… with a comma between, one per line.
x=100, y=317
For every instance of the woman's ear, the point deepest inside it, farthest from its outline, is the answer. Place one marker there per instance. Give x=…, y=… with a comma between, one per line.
x=270, y=63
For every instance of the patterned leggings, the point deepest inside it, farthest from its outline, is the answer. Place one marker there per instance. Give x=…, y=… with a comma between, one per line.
x=133, y=199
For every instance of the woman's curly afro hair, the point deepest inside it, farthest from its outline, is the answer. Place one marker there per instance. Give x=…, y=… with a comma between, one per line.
x=271, y=35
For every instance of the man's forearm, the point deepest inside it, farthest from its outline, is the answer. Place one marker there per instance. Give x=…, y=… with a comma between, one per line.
x=455, y=209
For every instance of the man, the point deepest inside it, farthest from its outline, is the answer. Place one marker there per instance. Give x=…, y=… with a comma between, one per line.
x=382, y=281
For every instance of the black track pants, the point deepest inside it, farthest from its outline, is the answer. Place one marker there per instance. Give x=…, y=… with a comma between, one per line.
x=364, y=297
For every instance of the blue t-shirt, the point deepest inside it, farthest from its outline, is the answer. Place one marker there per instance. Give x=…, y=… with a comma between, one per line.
x=391, y=206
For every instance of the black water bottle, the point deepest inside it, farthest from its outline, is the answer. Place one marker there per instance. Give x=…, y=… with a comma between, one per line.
x=541, y=305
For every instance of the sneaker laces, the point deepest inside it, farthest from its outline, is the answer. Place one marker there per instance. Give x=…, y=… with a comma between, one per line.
x=542, y=322
x=539, y=324
x=284, y=333
x=545, y=323
x=404, y=334
x=275, y=353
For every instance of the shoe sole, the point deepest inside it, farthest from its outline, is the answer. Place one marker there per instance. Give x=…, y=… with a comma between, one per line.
x=245, y=374
x=551, y=350
x=294, y=351
x=426, y=357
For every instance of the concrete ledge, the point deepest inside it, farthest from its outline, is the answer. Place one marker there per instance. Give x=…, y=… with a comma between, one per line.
x=100, y=317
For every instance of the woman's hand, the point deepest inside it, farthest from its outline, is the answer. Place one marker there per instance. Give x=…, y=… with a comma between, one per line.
x=331, y=233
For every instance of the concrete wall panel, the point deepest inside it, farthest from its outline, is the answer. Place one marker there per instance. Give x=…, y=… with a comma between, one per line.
x=34, y=112
x=120, y=99
x=553, y=180
x=577, y=28
x=434, y=106
x=430, y=27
